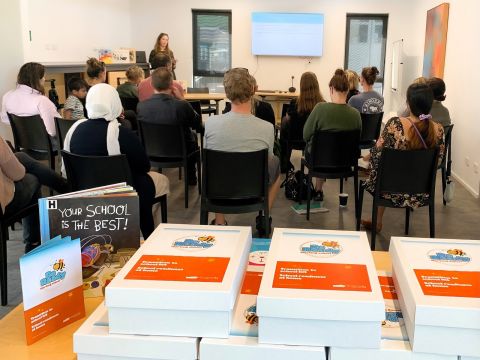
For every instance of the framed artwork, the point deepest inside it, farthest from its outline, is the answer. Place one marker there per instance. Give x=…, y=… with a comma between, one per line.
x=435, y=41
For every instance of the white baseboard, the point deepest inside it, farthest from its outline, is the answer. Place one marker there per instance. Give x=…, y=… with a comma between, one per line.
x=466, y=186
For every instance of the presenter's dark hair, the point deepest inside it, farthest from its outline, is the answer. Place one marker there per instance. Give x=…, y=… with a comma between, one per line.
x=95, y=67
x=369, y=74
x=30, y=74
x=339, y=81
x=438, y=87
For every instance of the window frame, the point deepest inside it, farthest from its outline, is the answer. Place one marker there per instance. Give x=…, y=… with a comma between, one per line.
x=356, y=16
x=228, y=13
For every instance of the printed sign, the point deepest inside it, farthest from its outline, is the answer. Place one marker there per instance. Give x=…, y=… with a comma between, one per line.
x=321, y=249
x=449, y=283
x=387, y=287
x=251, y=283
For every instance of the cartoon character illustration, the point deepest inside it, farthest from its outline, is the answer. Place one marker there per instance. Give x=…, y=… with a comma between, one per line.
x=332, y=244
x=59, y=265
x=206, y=238
x=457, y=252
x=95, y=251
x=251, y=316
x=257, y=257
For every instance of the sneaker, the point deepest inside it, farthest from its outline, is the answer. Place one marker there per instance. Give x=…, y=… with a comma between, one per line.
x=213, y=223
x=259, y=224
x=318, y=196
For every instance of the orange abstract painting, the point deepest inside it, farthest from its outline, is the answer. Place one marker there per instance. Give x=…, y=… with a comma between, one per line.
x=435, y=41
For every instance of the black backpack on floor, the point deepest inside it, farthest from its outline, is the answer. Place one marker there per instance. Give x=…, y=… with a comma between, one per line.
x=293, y=183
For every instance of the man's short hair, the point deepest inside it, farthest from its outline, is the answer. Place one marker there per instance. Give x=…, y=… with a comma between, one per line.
x=160, y=60
x=239, y=86
x=161, y=79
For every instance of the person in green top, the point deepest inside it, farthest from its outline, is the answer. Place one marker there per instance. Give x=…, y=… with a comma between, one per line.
x=129, y=89
x=335, y=115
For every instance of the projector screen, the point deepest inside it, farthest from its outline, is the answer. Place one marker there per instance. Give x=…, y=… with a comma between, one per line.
x=287, y=34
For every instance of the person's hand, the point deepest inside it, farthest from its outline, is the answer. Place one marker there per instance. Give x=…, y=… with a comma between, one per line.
x=177, y=93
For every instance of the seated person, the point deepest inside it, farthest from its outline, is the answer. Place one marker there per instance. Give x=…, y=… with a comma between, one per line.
x=165, y=108
x=102, y=135
x=405, y=111
x=439, y=113
x=145, y=88
x=369, y=101
x=352, y=77
x=416, y=131
x=297, y=114
x=73, y=108
x=21, y=178
x=29, y=98
x=335, y=115
x=240, y=131
x=129, y=89
x=96, y=72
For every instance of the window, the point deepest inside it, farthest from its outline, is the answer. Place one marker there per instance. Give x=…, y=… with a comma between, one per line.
x=366, y=43
x=212, y=50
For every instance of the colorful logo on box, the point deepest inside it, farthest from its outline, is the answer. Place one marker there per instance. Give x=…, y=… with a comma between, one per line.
x=449, y=256
x=257, y=258
x=195, y=243
x=393, y=318
x=250, y=314
x=53, y=275
x=321, y=249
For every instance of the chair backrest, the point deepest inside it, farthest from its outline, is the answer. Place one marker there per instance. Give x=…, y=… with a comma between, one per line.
x=29, y=133
x=335, y=149
x=235, y=175
x=196, y=106
x=129, y=103
x=162, y=141
x=84, y=172
x=407, y=171
x=285, y=109
x=371, y=124
x=62, y=126
x=447, y=130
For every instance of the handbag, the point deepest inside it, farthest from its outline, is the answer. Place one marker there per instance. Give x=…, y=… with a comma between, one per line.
x=449, y=193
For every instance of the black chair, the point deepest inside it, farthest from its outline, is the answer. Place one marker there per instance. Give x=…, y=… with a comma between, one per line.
x=446, y=164
x=371, y=124
x=235, y=182
x=207, y=106
x=5, y=222
x=129, y=103
x=198, y=109
x=30, y=136
x=166, y=148
x=85, y=172
x=62, y=126
x=334, y=155
x=284, y=109
x=402, y=172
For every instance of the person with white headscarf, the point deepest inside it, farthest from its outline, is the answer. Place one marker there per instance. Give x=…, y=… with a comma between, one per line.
x=102, y=135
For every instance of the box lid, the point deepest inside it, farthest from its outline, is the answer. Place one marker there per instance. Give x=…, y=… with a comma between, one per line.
x=93, y=338
x=439, y=280
x=324, y=275
x=184, y=267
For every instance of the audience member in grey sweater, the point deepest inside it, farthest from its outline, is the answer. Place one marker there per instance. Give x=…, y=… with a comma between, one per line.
x=369, y=101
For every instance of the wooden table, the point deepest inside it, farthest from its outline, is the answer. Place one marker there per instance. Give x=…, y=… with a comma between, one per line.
x=59, y=345
x=277, y=99
x=217, y=97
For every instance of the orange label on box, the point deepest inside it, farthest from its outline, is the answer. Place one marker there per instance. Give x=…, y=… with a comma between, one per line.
x=321, y=276
x=388, y=288
x=179, y=268
x=48, y=317
x=449, y=283
x=251, y=282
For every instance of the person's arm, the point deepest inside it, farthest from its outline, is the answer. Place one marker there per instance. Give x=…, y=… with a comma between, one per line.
x=48, y=112
x=151, y=56
x=174, y=61
x=9, y=164
x=177, y=90
x=192, y=118
x=67, y=114
x=309, y=127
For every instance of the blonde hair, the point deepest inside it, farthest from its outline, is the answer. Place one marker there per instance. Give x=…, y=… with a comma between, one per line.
x=239, y=86
x=134, y=73
x=352, y=78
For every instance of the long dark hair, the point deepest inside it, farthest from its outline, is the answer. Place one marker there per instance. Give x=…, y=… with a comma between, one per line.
x=30, y=74
x=157, y=43
x=309, y=93
x=419, y=100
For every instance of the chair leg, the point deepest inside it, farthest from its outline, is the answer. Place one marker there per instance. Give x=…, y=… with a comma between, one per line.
x=300, y=193
x=374, y=224
x=360, y=203
x=309, y=193
x=407, y=220
x=431, y=212
x=203, y=216
x=185, y=178
x=179, y=173
x=444, y=184
x=267, y=221
x=355, y=189
x=163, y=208
x=3, y=265
x=341, y=185
x=199, y=175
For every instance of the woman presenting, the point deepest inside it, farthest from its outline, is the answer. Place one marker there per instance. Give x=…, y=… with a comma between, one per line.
x=161, y=46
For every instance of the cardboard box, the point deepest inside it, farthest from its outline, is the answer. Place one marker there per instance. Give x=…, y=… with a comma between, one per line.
x=243, y=341
x=394, y=344
x=438, y=283
x=92, y=341
x=324, y=285
x=183, y=278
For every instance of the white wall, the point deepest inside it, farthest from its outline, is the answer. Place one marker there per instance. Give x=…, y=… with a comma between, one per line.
x=71, y=30
x=12, y=52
